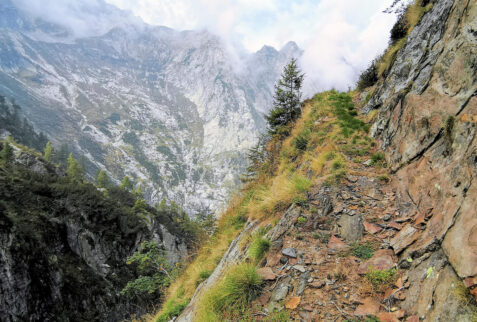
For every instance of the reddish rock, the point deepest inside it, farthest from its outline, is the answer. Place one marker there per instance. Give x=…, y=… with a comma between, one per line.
x=413, y=318
x=419, y=219
x=382, y=259
x=395, y=225
x=369, y=307
x=387, y=317
x=273, y=259
x=267, y=273
x=399, y=314
x=470, y=281
x=474, y=293
x=293, y=302
x=308, y=308
x=336, y=244
x=404, y=238
x=264, y=299
x=371, y=228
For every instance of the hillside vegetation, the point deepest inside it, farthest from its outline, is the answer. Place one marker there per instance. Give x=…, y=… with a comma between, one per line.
x=321, y=148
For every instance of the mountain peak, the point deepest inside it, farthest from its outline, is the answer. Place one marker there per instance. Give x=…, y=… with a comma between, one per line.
x=291, y=48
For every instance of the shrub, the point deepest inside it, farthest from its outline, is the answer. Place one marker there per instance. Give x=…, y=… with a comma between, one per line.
x=383, y=178
x=362, y=250
x=400, y=29
x=301, y=141
x=301, y=220
x=368, y=77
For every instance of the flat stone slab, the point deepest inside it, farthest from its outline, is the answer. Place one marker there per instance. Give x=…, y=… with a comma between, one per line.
x=336, y=244
x=371, y=228
x=289, y=252
x=382, y=260
x=267, y=273
x=369, y=307
x=404, y=238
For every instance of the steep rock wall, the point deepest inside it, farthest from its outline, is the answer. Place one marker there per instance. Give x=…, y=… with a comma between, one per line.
x=427, y=126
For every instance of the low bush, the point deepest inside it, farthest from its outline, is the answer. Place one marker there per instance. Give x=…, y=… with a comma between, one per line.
x=400, y=29
x=368, y=77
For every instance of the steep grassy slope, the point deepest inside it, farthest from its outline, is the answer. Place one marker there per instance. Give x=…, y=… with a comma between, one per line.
x=319, y=151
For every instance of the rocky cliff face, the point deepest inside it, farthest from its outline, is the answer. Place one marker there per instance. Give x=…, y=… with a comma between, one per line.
x=63, y=247
x=174, y=110
x=427, y=126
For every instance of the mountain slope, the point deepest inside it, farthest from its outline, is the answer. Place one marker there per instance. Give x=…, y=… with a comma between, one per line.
x=349, y=227
x=174, y=110
x=64, y=245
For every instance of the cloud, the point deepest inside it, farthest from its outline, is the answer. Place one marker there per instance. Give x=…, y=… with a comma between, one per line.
x=339, y=37
x=81, y=18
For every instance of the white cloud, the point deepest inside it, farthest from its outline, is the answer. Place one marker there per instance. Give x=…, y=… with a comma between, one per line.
x=340, y=37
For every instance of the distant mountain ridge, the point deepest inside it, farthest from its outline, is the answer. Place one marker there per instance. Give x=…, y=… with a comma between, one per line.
x=173, y=110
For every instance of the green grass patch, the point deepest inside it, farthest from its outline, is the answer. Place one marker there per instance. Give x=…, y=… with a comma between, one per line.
x=172, y=308
x=229, y=299
x=258, y=247
x=362, y=250
x=345, y=112
x=381, y=280
x=377, y=158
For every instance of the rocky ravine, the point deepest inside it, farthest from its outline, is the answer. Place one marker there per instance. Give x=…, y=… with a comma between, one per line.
x=63, y=251
x=174, y=110
x=423, y=222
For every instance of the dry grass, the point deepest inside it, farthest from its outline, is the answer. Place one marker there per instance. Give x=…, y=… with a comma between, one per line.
x=273, y=191
x=209, y=255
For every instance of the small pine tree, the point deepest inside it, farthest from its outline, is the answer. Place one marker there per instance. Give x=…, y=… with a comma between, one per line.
x=138, y=192
x=62, y=155
x=48, y=152
x=287, y=98
x=7, y=153
x=74, y=170
x=102, y=179
x=126, y=184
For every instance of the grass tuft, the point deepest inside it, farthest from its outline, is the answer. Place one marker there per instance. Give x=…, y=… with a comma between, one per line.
x=230, y=297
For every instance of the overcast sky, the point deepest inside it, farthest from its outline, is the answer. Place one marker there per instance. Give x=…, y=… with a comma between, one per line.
x=340, y=37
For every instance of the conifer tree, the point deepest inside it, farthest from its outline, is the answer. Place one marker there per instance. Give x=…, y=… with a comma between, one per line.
x=7, y=153
x=74, y=170
x=126, y=184
x=48, y=152
x=287, y=98
x=102, y=179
